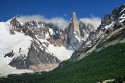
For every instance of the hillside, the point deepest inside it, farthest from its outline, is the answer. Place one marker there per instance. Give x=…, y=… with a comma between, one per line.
x=105, y=64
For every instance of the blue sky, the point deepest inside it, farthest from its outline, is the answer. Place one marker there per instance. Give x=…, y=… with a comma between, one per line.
x=57, y=8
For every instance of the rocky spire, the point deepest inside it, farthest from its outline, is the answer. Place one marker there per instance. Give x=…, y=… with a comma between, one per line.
x=73, y=35
x=75, y=24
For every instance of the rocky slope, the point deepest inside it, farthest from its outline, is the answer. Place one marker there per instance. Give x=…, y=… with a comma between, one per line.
x=111, y=31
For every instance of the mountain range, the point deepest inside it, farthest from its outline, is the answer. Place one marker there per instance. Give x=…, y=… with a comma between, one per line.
x=41, y=46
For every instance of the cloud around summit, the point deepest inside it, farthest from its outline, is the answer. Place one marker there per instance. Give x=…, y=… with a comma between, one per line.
x=95, y=21
x=60, y=22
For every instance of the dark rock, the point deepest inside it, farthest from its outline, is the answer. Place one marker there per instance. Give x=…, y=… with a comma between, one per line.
x=19, y=62
x=11, y=54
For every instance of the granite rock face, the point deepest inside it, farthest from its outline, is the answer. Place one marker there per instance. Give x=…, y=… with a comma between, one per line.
x=74, y=35
x=36, y=56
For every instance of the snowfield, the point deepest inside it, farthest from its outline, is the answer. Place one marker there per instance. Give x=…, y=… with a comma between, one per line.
x=7, y=44
x=60, y=52
x=12, y=42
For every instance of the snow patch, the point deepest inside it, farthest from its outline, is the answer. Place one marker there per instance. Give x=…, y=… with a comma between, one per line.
x=51, y=31
x=110, y=25
x=79, y=39
x=122, y=10
x=122, y=18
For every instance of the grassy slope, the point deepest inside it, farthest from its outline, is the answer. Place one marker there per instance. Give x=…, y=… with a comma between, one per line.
x=106, y=64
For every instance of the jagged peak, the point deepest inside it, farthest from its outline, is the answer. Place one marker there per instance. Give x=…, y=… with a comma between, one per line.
x=123, y=5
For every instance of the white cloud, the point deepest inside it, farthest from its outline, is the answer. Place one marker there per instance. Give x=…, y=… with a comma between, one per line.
x=59, y=22
x=31, y=18
x=95, y=21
